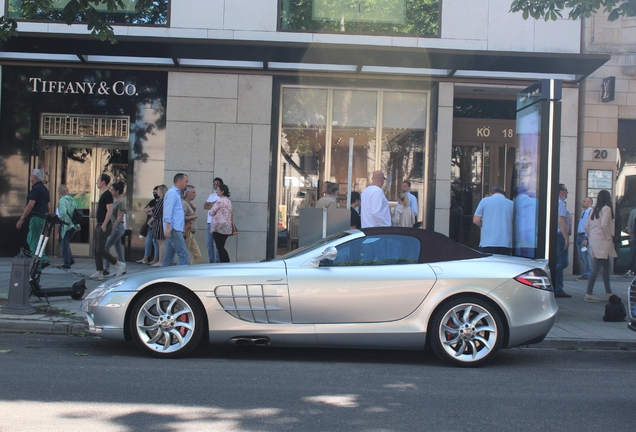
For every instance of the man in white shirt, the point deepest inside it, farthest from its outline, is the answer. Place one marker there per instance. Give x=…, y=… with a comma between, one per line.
x=213, y=255
x=374, y=207
x=406, y=188
x=581, y=239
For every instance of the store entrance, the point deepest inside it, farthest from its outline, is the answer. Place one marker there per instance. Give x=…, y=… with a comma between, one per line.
x=77, y=165
x=482, y=156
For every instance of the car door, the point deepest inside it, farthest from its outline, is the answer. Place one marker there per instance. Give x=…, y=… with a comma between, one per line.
x=373, y=279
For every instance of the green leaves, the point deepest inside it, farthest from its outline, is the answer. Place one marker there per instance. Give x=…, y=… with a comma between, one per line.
x=552, y=10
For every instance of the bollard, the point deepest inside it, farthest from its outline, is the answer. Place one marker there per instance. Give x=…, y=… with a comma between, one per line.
x=20, y=288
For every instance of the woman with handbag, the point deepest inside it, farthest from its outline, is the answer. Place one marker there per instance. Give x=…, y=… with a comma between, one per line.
x=66, y=207
x=118, y=219
x=222, y=221
x=599, y=230
x=189, y=194
x=156, y=221
x=152, y=247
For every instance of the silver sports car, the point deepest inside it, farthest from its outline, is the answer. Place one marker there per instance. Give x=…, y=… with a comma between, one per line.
x=393, y=288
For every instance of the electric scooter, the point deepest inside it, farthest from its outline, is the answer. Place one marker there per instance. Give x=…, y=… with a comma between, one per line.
x=76, y=291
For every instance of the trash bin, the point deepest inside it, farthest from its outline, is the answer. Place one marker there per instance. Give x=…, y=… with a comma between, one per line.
x=20, y=289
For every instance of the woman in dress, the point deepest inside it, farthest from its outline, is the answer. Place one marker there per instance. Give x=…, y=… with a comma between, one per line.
x=157, y=225
x=66, y=207
x=403, y=215
x=221, y=226
x=599, y=231
x=118, y=219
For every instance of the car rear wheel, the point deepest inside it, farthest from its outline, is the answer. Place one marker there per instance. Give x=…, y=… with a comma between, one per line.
x=167, y=322
x=466, y=332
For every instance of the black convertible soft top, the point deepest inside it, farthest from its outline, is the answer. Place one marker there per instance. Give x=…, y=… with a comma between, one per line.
x=434, y=246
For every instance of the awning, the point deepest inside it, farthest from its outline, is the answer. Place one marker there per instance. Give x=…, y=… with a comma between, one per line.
x=270, y=55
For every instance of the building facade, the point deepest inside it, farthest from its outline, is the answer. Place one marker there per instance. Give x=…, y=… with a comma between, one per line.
x=278, y=97
x=606, y=155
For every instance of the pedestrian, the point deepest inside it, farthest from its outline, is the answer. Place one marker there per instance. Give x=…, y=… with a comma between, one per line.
x=37, y=201
x=581, y=239
x=151, y=246
x=600, y=232
x=222, y=218
x=494, y=214
x=406, y=188
x=103, y=229
x=563, y=242
x=631, y=271
x=403, y=215
x=66, y=207
x=157, y=226
x=374, y=207
x=355, y=210
x=330, y=199
x=174, y=222
x=118, y=220
x=213, y=254
x=189, y=194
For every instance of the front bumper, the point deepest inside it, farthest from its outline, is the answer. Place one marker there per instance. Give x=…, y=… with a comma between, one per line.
x=106, y=314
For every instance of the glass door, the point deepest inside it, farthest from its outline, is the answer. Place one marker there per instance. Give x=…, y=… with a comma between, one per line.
x=78, y=166
x=475, y=167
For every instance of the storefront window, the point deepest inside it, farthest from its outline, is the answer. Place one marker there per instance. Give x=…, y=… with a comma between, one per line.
x=403, y=126
x=155, y=14
x=325, y=132
x=408, y=17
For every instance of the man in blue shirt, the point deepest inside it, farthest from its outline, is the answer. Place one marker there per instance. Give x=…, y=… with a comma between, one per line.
x=406, y=188
x=494, y=215
x=174, y=222
x=581, y=239
x=563, y=243
x=37, y=201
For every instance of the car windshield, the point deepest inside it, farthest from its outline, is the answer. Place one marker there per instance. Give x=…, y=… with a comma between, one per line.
x=319, y=244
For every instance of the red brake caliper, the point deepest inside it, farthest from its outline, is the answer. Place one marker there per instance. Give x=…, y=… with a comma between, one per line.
x=183, y=330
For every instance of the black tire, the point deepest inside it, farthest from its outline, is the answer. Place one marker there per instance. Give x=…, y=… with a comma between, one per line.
x=466, y=331
x=167, y=322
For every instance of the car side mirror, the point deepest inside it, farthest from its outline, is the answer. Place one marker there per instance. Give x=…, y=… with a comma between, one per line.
x=329, y=254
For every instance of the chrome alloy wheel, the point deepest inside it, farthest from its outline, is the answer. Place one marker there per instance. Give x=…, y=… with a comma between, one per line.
x=165, y=323
x=468, y=333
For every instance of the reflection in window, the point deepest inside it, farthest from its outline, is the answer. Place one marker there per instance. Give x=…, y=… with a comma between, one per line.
x=377, y=250
x=408, y=17
x=403, y=143
x=155, y=14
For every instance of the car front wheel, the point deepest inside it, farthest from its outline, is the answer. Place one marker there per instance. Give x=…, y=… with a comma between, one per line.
x=167, y=322
x=466, y=332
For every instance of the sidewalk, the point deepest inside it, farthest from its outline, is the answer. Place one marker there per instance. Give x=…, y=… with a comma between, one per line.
x=579, y=324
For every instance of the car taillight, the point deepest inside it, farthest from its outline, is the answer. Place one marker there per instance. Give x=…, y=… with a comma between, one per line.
x=536, y=278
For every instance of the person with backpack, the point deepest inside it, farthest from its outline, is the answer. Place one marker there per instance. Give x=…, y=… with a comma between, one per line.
x=67, y=211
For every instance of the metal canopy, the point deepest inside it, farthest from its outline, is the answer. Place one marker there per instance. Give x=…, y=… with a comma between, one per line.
x=439, y=61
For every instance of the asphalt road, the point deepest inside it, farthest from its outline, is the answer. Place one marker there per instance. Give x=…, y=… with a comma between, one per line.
x=67, y=383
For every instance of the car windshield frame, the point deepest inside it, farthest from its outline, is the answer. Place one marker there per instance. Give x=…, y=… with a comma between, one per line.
x=307, y=248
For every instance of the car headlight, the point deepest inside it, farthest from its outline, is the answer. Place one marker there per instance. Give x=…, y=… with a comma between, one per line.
x=101, y=291
x=536, y=278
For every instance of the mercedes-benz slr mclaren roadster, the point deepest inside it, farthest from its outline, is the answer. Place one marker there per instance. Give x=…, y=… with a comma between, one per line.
x=391, y=288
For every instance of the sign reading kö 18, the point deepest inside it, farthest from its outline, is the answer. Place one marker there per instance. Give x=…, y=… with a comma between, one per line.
x=118, y=88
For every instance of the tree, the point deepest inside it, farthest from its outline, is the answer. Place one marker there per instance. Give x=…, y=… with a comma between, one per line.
x=97, y=14
x=551, y=9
